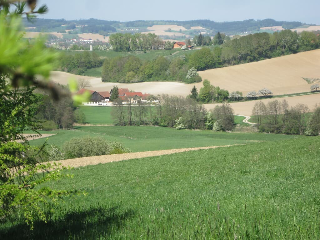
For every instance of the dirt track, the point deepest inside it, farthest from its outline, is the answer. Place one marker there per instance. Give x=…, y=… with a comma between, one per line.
x=81, y=162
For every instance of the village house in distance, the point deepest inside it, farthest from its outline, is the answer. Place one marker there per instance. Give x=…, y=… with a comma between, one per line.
x=103, y=98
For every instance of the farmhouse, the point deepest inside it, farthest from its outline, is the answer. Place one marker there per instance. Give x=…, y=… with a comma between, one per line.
x=179, y=44
x=124, y=95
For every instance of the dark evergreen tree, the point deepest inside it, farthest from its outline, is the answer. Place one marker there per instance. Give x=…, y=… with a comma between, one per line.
x=194, y=93
x=114, y=93
x=218, y=40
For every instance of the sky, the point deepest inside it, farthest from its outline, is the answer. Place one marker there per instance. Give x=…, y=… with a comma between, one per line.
x=306, y=11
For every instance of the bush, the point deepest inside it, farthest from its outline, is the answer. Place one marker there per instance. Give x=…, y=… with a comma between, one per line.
x=313, y=127
x=91, y=146
x=223, y=117
x=79, y=116
x=54, y=153
x=49, y=126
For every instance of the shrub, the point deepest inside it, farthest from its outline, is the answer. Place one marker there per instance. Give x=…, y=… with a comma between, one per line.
x=54, y=153
x=313, y=127
x=314, y=87
x=179, y=125
x=91, y=146
x=223, y=117
x=49, y=126
x=79, y=116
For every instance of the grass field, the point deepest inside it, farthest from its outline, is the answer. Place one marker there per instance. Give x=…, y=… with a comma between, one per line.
x=97, y=115
x=148, y=138
x=259, y=191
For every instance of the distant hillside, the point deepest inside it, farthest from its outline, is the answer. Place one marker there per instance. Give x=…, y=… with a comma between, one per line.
x=192, y=27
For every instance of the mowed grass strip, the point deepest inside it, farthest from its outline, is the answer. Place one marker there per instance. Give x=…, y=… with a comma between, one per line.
x=259, y=191
x=148, y=138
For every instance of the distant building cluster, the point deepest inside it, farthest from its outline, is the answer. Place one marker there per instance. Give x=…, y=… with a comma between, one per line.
x=103, y=98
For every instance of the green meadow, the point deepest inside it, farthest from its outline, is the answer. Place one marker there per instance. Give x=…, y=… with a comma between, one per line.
x=97, y=115
x=267, y=190
x=149, y=138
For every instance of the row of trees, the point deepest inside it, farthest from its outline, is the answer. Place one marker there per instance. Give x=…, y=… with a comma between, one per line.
x=261, y=46
x=79, y=62
x=205, y=40
x=209, y=93
x=174, y=111
x=132, y=69
x=126, y=42
x=254, y=47
x=56, y=114
x=277, y=117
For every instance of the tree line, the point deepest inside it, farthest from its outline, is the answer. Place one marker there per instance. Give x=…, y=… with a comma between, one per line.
x=79, y=62
x=126, y=42
x=132, y=69
x=254, y=47
x=173, y=111
x=278, y=117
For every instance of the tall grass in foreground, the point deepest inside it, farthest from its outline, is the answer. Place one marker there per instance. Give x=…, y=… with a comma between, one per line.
x=267, y=190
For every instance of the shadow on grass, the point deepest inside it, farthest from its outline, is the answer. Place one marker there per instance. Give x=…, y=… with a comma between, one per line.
x=88, y=224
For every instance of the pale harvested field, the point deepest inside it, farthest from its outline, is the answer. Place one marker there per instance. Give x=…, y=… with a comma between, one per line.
x=160, y=30
x=81, y=162
x=93, y=36
x=172, y=88
x=63, y=78
x=282, y=75
x=308, y=29
x=245, y=108
x=36, y=34
x=274, y=28
x=197, y=28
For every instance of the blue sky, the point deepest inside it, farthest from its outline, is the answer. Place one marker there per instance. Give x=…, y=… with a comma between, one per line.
x=306, y=11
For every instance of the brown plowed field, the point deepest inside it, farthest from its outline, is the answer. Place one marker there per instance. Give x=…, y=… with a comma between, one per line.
x=282, y=75
x=81, y=162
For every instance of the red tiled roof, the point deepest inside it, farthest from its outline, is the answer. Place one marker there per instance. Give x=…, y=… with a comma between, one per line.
x=104, y=94
x=122, y=91
x=132, y=94
x=81, y=91
x=145, y=96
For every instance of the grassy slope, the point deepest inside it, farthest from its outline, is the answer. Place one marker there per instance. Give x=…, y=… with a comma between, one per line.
x=148, y=138
x=259, y=191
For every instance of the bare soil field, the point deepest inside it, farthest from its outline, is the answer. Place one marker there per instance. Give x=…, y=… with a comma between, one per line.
x=63, y=78
x=274, y=28
x=85, y=161
x=171, y=88
x=245, y=108
x=160, y=30
x=94, y=36
x=36, y=34
x=282, y=75
x=197, y=28
x=308, y=29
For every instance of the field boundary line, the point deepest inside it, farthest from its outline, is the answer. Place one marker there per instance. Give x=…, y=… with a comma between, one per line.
x=95, y=160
